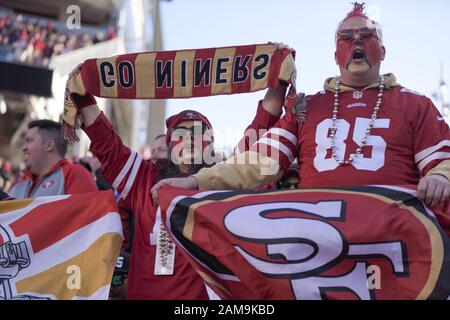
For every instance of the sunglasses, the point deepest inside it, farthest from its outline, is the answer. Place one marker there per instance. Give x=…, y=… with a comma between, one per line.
x=197, y=130
x=363, y=33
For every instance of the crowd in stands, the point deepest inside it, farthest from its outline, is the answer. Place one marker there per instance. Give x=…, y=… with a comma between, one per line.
x=35, y=40
x=9, y=173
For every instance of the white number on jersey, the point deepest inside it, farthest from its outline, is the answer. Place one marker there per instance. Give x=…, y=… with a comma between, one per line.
x=323, y=141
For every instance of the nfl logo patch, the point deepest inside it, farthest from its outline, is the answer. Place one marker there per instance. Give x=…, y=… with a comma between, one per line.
x=48, y=184
x=357, y=94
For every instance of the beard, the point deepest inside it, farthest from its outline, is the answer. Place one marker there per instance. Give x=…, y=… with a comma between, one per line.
x=167, y=169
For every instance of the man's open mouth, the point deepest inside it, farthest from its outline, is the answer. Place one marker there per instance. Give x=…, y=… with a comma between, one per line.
x=358, y=55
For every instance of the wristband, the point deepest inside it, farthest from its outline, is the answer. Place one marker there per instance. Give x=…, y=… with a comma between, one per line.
x=83, y=101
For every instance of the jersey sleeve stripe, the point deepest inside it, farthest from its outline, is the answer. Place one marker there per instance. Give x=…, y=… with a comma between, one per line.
x=425, y=153
x=132, y=176
x=283, y=133
x=124, y=170
x=277, y=145
x=435, y=156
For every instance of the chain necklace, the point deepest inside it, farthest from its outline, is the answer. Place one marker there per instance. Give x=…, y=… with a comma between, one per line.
x=164, y=246
x=333, y=127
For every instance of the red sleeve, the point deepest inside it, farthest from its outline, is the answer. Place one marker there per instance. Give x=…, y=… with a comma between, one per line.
x=125, y=213
x=107, y=146
x=431, y=137
x=262, y=122
x=79, y=180
x=281, y=142
x=122, y=167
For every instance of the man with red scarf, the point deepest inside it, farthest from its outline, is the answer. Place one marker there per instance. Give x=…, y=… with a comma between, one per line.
x=157, y=270
x=363, y=128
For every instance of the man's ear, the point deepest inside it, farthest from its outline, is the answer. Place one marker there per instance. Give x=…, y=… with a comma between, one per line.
x=335, y=58
x=383, y=55
x=50, y=145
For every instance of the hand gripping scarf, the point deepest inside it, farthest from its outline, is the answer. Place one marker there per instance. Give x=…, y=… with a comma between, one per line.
x=184, y=74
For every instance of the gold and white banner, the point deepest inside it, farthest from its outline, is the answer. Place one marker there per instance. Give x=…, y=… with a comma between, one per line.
x=60, y=247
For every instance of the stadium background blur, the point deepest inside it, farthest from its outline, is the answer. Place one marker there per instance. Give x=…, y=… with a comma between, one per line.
x=40, y=44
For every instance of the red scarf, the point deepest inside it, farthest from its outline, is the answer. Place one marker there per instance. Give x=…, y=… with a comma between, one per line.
x=184, y=74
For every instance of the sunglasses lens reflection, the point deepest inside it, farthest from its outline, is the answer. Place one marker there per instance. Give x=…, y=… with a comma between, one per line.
x=349, y=34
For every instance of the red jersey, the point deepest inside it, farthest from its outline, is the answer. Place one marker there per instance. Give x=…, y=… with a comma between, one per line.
x=409, y=137
x=134, y=178
x=262, y=121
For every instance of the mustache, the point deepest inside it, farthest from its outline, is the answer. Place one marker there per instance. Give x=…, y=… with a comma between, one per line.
x=357, y=43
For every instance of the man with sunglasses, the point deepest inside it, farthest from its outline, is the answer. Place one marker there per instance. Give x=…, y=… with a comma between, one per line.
x=364, y=128
x=157, y=270
x=190, y=142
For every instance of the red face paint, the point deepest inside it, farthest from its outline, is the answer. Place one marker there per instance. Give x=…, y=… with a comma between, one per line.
x=371, y=47
x=358, y=34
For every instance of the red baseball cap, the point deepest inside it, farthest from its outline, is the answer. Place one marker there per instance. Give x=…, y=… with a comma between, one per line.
x=186, y=115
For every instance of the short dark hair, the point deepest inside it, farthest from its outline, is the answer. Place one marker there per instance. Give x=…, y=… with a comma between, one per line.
x=51, y=130
x=162, y=135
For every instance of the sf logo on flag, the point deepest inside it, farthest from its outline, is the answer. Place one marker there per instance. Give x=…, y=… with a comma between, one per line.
x=331, y=249
x=309, y=247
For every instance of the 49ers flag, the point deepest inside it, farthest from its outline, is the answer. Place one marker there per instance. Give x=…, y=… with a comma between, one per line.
x=60, y=247
x=368, y=242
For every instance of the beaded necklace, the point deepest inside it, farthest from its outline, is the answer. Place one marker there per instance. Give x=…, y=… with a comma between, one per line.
x=333, y=127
